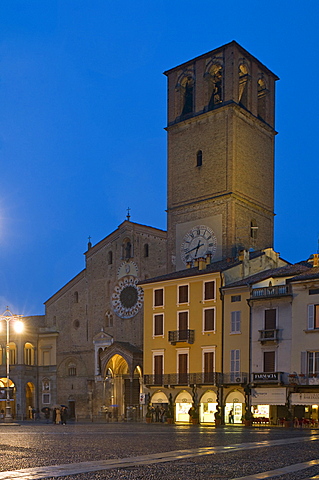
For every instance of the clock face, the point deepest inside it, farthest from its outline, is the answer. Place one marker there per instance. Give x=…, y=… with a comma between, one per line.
x=127, y=298
x=199, y=242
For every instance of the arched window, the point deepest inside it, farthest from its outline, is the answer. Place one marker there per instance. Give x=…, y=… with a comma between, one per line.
x=261, y=104
x=28, y=354
x=76, y=297
x=12, y=353
x=199, y=158
x=146, y=250
x=110, y=258
x=188, y=95
x=215, y=86
x=253, y=229
x=243, y=84
x=71, y=369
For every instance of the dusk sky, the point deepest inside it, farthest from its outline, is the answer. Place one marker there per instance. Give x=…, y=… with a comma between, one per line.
x=82, y=117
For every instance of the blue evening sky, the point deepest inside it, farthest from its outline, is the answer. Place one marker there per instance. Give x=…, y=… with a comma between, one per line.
x=82, y=117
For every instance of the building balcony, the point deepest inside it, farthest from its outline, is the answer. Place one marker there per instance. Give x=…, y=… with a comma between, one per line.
x=182, y=379
x=273, y=291
x=271, y=335
x=176, y=336
x=303, y=379
x=240, y=378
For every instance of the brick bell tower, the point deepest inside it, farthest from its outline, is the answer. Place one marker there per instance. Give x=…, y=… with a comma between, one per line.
x=220, y=156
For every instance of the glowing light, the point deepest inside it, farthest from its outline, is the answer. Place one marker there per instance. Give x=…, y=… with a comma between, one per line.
x=18, y=326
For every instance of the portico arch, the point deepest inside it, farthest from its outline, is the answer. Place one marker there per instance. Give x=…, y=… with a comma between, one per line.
x=121, y=367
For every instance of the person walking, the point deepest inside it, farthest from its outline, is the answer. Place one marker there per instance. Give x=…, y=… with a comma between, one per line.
x=64, y=415
x=231, y=416
x=57, y=416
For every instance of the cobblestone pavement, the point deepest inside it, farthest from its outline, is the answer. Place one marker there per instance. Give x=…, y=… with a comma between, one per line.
x=35, y=445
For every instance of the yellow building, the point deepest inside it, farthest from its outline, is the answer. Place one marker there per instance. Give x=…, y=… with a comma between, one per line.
x=183, y=340
x=196, y=337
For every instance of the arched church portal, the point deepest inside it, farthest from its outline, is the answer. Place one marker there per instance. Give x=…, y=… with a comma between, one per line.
x=121, y=389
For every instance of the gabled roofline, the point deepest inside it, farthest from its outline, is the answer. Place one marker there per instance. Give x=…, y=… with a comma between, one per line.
x=234, y=43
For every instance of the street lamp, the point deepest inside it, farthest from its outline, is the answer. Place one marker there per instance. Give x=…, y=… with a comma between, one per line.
x=8, y=317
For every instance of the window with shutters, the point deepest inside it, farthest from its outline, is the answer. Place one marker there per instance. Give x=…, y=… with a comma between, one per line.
x=270, y=319
x=209, y=290
x=313, y=363
x=159, y=297
x=235, y=322
x=183, y=326
x=209, y=320
x=313, y=317
x=234, y=364
x=235, y=298
x=182, y=365
x=269, y=361
x=158, y=368
x=158, y=325
x=209, y=366
x=183, y=294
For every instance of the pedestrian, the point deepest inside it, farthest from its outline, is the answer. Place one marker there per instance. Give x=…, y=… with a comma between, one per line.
x=57, y=416
x=47, y=414
x=54, y=415
x=2, y=414
x=231, y=416
x=157, y=413
x=64, y=415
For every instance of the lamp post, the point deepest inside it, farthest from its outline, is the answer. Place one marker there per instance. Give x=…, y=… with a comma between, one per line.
x=8, y=317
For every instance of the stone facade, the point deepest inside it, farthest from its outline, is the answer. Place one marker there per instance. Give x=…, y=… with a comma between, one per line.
x=100, y=309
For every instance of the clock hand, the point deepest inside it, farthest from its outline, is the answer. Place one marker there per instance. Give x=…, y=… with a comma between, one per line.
x=197, y=247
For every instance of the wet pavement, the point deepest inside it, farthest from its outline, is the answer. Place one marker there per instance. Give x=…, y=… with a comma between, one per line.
x=156, y=451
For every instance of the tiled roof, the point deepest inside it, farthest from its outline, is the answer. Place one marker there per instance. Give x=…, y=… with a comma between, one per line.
x=214, y=267
x=307, y=275
x=286, y=271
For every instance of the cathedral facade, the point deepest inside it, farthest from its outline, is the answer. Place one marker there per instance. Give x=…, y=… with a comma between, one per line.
x=98, y=316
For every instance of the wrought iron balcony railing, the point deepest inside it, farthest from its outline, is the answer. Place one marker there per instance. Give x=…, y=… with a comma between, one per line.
x=273, y=291
x=239, y=378
x=175, y=336
x=202, y=378
x=270, y=335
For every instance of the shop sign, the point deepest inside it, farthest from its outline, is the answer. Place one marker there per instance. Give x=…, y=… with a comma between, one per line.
x=268, y=396
x=142, y=398
x=266, y=377
x=306, y=398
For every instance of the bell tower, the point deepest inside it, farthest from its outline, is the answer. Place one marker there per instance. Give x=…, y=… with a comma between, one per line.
x=220, y=156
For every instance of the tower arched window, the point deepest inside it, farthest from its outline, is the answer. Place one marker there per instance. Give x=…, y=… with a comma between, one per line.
x=76, y=297
x=215, y=86
x=261, y=103
x=146, y=250
x=243, y=79
x=199, y=158
x=188, y=96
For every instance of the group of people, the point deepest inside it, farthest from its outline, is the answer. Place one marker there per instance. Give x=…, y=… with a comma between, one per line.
x=59, y=415
x=158, y=414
